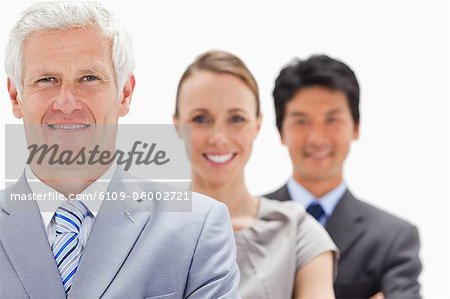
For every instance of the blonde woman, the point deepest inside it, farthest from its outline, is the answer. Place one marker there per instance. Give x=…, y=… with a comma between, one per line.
x=282, y=251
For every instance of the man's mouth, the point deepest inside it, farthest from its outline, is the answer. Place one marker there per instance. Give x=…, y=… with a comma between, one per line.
x=68, y=126
x=318, y=155
x=220, y=158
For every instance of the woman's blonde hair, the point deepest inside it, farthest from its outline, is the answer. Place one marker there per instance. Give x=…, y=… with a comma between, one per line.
x=224, y=63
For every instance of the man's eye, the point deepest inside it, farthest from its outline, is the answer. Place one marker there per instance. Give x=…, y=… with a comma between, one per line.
x=90, y=78
x=200, y=119
x=46, y=80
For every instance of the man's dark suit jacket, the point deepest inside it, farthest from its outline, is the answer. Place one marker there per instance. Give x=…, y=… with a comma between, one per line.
x=378, y=251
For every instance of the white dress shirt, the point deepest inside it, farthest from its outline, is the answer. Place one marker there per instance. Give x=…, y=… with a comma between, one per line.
x=48, y=209
x=328, y=201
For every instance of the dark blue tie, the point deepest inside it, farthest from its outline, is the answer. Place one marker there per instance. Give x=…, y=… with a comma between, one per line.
x=316, y=210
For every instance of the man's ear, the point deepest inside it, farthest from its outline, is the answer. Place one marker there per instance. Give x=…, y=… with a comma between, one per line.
x=282, y=138
x=283, y=141
x=16, y=102
x=127, y=93
x=356, y=131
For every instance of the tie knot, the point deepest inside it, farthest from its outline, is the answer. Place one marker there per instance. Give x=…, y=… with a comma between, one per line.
x=316, y=210
x=69, y=216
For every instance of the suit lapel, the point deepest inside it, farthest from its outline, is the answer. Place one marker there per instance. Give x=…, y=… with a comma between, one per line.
x=344, y=225
x=23, y=236
x=281, y=194
x=116, y=229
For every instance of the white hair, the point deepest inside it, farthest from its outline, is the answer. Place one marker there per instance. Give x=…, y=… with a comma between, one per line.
x=69, y=14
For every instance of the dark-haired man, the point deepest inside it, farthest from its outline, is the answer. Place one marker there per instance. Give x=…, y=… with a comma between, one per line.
x=317, y=115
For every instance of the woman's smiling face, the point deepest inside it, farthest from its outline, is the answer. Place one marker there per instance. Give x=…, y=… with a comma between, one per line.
x=221, y=110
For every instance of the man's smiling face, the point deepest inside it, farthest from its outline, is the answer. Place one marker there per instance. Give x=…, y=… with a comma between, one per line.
x=69, y=86
x=318, y=129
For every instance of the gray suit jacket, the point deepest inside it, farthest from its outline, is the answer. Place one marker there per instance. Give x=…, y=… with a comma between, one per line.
x=145, y=254
x=378, y=251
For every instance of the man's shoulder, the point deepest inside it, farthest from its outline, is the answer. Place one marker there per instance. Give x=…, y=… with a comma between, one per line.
x=2, y=199
x=378, y=216
x=4, y=195
x=281, y=194
x=201, y=203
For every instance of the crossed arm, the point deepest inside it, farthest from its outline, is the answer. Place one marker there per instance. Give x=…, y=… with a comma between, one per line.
x=315, y=279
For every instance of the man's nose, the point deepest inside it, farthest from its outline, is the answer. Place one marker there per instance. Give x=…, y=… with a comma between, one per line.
x=317, y=134
x=67, y=100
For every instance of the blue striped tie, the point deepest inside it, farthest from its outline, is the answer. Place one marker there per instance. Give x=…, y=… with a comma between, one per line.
x=67, y=249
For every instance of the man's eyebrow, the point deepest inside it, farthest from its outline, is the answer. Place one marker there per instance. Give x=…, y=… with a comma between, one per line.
x=101, y=72
x=43, y=72
x=335, y=111
x=95, y=68
x=38, y=73
x=297, y=114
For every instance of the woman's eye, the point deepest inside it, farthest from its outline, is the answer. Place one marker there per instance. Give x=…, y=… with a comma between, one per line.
x=200, y=119
x=237, y=119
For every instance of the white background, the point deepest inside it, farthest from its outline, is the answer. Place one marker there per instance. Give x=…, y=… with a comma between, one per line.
x=398, y=50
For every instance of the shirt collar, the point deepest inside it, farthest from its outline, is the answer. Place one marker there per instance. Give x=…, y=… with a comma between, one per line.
x=48, y=207
x=328, y=202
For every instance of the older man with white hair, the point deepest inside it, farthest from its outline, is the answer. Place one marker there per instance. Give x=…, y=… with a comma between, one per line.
x=70, y=68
